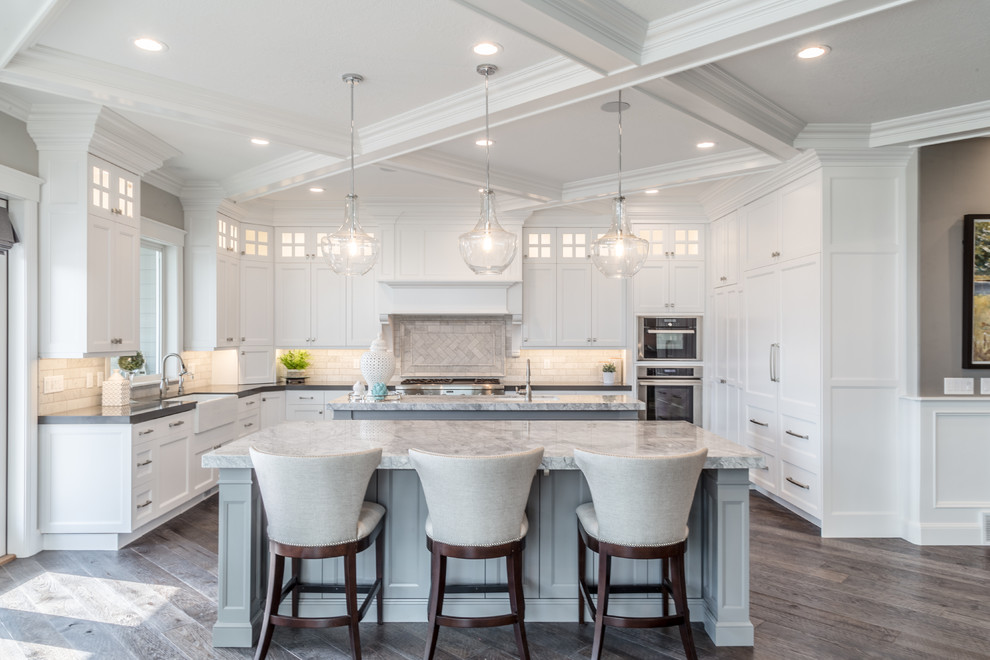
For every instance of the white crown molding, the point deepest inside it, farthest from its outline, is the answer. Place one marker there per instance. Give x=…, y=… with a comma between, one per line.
x=726, y=198
x=716, y=85
x=128, y=145
x=834, y=136
x=878, y=157
x=164, y=180
x=201, y=196
x=467, y=107
x=946, y=125
x=24, y=21
x=54, y=71
x=705, y=168
x=13, y=105
x=460, y=170
x=62, y=127
x=607, y=22
x=288, y=171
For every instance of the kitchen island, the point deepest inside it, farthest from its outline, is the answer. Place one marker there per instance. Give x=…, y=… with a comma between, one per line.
x=717, y=561
x=492, y=406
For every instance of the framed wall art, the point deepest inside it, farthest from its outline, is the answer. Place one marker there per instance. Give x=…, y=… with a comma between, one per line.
x=976, y=291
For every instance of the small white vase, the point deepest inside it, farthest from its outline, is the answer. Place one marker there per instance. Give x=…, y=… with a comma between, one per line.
x=378, y=364
x=608, y=378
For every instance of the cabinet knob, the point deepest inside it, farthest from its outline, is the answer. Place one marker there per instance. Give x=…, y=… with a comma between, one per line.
x=243, y=339
x=588, y=340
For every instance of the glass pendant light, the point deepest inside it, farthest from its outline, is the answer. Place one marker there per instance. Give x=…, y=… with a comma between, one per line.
x=487, y=249
x=619, y=253
x=349, y=250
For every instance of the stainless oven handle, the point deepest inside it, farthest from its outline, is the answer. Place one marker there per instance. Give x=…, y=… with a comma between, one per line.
x=669, y=331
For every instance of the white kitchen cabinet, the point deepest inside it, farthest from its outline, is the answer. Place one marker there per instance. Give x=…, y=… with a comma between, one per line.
x=272, y=409
x=257, y=300
x=257, y=242
x=112, y=254
x=228, y=301
x=114, y=193
x=202, y=479
x=539, y=315
x=590, y=307
x=327, y=306
x=255, y=364
x=306, y=405
x=539, y=246
x=682, y=242
x=723, y=376
x=248, y=415
x=782, y=317
x=317, y=308
x=785, y=224
x=724, y=253
x=174, y=479
x=363, y=323
x=669, y=286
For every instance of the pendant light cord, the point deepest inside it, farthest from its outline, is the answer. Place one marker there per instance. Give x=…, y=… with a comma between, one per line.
x=620, y=144
x=488, y=142
x=351, y=83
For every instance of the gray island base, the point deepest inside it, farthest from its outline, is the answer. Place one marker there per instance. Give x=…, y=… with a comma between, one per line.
x=717, y=561
x=507, y=406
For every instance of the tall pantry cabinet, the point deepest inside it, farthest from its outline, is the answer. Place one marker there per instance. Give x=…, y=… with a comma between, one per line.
x=92, y=161
x=822, y=252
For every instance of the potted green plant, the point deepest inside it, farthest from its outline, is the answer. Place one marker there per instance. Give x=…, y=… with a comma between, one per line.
x=130, y=364
x=608, y=374
x=295, y=362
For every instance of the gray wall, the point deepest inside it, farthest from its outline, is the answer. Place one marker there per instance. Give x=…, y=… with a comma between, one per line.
x=953, y=181
x=17, y=149
x=159, y=205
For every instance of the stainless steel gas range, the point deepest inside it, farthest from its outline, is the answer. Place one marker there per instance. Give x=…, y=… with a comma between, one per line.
x=437, y=386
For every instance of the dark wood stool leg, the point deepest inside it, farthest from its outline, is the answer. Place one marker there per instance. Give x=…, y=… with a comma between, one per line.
x=276, y=569
x=438, y=580
x=517, y=601
x=296, y=571
x=680, y=599
x=604, y=579
x=664, y=577
x=350, y=593
x=380, y=574
x=582, y=554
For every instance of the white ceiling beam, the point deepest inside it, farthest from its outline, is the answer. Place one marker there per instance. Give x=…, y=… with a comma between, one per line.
x=23, y=21
x=57, y=72
x=600, y=34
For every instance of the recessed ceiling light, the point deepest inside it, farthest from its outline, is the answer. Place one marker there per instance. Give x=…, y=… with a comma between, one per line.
x=652, y=191
x=316, y=189
x=149, y=44
x=261, y=141
x=812, y=52
x=484, y=143
x=487, y=48
x=705, y=145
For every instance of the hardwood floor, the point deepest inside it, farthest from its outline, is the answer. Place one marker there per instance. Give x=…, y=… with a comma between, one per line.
x=811, y=598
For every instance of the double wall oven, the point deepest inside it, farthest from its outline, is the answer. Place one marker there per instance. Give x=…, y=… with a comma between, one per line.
x=669, y=371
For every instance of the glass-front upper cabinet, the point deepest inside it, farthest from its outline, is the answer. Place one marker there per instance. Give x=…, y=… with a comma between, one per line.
x=114, y=193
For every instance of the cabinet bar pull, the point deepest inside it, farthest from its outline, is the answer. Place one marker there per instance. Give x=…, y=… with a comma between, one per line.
x=146, y=432
x=798, y=484
x=249, y=424
x=796, y=435
x=753, y=421
x=141, y=506
x=217, y=446
x=174, y=424
x=250, y=403
x=306, y=397
x=147, y=462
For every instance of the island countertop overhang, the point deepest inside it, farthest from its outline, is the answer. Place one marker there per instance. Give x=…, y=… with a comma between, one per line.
x=487, y=437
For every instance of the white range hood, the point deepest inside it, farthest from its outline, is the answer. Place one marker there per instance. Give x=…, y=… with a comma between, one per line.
x=452, y=297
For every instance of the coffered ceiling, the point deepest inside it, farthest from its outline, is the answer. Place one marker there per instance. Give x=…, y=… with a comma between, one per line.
x=900, y=72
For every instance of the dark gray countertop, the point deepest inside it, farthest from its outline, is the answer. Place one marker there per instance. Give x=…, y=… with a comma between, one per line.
x=153, y=409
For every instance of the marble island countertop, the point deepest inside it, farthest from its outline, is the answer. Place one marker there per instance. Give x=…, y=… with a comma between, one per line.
x=507, y=402
x=559, y=438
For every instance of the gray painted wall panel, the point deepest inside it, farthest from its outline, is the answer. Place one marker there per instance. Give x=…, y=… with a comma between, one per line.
x=17, y=149
x=159, y=205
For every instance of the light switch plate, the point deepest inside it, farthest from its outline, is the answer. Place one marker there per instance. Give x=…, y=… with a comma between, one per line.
x=985, y=386
x=547, y=364
x=89, y=379
x=958, y=385
x=54, y=384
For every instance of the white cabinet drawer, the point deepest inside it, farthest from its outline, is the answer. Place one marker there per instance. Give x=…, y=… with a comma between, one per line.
x=800, y=487
x=761, y=428
x=800, y=442
x=143, y=506
x=248, y=423
x=163, y=426
x=143, y=465
x=214, y=438
x=248, y=404
x=304, y=397
x=304, y=413
x=766, y=477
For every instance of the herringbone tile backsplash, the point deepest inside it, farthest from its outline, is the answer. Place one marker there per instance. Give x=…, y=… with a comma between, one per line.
x=470, y=346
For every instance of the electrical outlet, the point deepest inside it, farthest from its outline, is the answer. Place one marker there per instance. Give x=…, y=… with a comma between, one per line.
x=98, y=378
x=547, y=364
x=89, y=380
x=54, y=384
x=357, y=363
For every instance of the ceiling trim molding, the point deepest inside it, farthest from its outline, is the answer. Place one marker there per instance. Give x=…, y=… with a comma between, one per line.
x=548, y=77
x=59, y=127
x=29, y=20
x=20, y=185
x=607, y=22
x=449, y=168
x=726, y=198
x=716, y=166
x=834, y=136
x=13, y=105
x=871, y=157
x=286, y=172
x=164, y=180
x=715, y=85
x=57, y=72
x=126, y=144
x=950, y=124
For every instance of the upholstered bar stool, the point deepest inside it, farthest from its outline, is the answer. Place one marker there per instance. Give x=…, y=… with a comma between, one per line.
x=639, y=510
x=316, y=510
x=477, y=510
